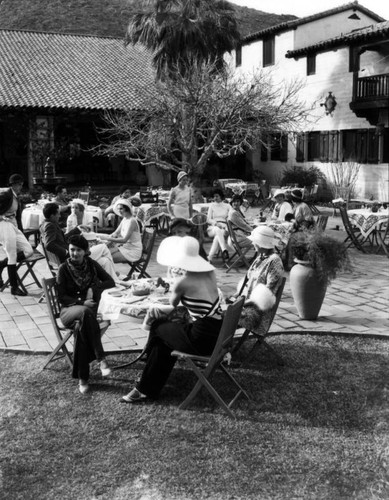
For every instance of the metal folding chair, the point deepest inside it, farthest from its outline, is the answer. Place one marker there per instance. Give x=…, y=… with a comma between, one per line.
x=140, y=266
x=205, y=366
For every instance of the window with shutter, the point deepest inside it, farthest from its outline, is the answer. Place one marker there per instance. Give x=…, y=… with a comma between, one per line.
x=313, y=146
x=279, y=147
x=333, y=145
x=300, y=147
x=372, y=146
x=361, y=146
x=238, y=56
x=311, y=64
x=324, y=146
x=268, y=51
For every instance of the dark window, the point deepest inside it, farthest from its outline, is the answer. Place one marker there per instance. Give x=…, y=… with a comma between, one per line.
x=353, y=59
x=385, y=158
x=372, y=146
x=279, y=147
x=349, y=139
x=311, y=64
x=268, y=51
x=238, y=56
x=313, y=146
x=300, y=147
x=333, y=145
x=264, y=149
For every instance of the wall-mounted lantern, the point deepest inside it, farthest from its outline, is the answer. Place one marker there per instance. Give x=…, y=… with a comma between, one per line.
x=329, y=103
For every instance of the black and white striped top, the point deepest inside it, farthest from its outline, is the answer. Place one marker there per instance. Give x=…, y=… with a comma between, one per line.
x=198, y=308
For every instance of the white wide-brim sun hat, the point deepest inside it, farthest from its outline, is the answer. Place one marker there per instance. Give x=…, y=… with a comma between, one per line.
x=277, y=192
x=79, y=201
x=263, y=236
x=182, y=252
x=122, y=201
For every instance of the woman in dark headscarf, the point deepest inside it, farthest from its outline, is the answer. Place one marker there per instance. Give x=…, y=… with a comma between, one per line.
x=81, y=281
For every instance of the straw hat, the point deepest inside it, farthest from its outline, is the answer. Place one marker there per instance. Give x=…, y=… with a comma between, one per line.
x=278, y=192
x=122, y=201
x=181, y=175
x=91, y=236
x=263, y=236
x=79, y=201
x=297, y=195
x=182, y=253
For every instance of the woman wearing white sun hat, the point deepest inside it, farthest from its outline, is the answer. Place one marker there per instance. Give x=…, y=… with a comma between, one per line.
x=198, y=292
x=282, y=207
x=79, y=217
x=126, y=239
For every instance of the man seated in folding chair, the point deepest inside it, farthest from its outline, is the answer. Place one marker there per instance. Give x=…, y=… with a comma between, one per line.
x=262, y=280
x=15, y=244
x=198, y=292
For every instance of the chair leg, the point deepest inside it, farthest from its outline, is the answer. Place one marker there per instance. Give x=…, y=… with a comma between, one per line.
x=65, y=352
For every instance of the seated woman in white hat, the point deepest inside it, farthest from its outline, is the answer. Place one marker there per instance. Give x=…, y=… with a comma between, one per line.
x=126, y=239
x=302, y=213
x=263, y=278
x=198, y=292
x=281, y=208
x=79, y=217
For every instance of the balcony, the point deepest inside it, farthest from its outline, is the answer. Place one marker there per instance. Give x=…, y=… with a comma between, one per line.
x=370, y=97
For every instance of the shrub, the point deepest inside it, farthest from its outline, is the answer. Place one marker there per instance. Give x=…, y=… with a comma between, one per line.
x=301, y=176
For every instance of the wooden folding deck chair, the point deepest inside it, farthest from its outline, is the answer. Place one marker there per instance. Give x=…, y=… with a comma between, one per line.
x=262, y=331
x=321, y=222
x=140, y=266
x=205, y=366
x=239, y=255
x=52, y=260
x=354, y=235
x=26, y=267
x=62, y=333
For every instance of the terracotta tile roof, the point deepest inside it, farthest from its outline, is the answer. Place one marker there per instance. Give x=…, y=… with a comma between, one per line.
x=375, y=32
x=72, y=71
x=289, y=25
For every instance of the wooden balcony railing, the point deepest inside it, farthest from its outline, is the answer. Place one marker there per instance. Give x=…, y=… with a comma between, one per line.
x=371, y=87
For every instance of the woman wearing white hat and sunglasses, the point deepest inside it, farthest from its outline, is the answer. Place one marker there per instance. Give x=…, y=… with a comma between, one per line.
x=198, y=292
x=126, y=239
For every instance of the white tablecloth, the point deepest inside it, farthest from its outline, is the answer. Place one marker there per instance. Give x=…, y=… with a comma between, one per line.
x=32, y=217
x=368, y=221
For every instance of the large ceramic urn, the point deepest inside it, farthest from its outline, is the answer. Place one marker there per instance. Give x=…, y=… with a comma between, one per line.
x=307, y=290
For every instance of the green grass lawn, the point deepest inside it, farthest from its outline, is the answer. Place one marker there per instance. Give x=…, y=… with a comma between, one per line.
x=316, y=428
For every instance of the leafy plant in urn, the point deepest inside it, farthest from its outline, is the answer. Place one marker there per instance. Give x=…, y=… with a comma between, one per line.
x=319, y=258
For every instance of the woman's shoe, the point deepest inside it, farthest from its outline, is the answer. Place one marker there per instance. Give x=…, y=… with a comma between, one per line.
x=104, y=368
x=134, y=396
x=83, y=387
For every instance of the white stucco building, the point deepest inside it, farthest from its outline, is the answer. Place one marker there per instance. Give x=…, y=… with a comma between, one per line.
x=342, y=55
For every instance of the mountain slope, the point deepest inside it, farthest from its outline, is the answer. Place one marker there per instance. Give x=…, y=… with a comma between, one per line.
x=101, y=17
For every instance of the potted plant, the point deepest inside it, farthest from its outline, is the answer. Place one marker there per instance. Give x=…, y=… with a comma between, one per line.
x=319, y=258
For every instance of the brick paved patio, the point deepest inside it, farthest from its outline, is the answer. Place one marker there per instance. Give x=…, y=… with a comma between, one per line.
x=355, y=303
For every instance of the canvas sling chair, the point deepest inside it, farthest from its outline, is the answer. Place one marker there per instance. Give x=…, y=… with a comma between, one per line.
x=239, y=256
x=205, y=367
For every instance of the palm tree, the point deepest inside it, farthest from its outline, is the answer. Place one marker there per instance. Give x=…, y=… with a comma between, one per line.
x=183, y=32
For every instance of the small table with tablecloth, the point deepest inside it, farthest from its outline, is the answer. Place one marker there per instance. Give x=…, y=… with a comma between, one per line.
x=370, y=224
x=32, y=216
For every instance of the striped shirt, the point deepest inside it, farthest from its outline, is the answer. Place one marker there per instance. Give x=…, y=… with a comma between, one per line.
x=198, y=308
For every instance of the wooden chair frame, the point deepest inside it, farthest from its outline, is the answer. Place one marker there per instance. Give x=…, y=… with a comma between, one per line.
x=262, y=331
x=205, y=366
x=321, y=222
x=52, y=260
x=354, y=236
x=140, y=266
x=29, y=264
x=239, y=252
x=62, y=333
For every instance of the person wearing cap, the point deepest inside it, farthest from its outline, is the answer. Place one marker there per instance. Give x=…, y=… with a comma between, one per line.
x=263, y=278
x=179, y=204
x=281, y=208
x=80, y=282
x=198, y=292
x=302, y=213
x=217, y=219
x=109, y=214
x=12, y=239
x=126, y=239
x=79, y=217
x=241, y=227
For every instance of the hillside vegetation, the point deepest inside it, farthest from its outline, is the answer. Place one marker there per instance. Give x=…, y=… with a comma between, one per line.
x=101, y=17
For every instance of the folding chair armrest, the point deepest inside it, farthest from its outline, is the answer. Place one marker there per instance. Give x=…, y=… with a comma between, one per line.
x=193, y=357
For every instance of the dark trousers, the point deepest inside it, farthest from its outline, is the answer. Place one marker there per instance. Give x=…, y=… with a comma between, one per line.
x=199, y=338
x=87, y=343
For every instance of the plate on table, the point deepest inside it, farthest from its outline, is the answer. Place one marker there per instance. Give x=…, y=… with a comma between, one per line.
x=115, y=293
